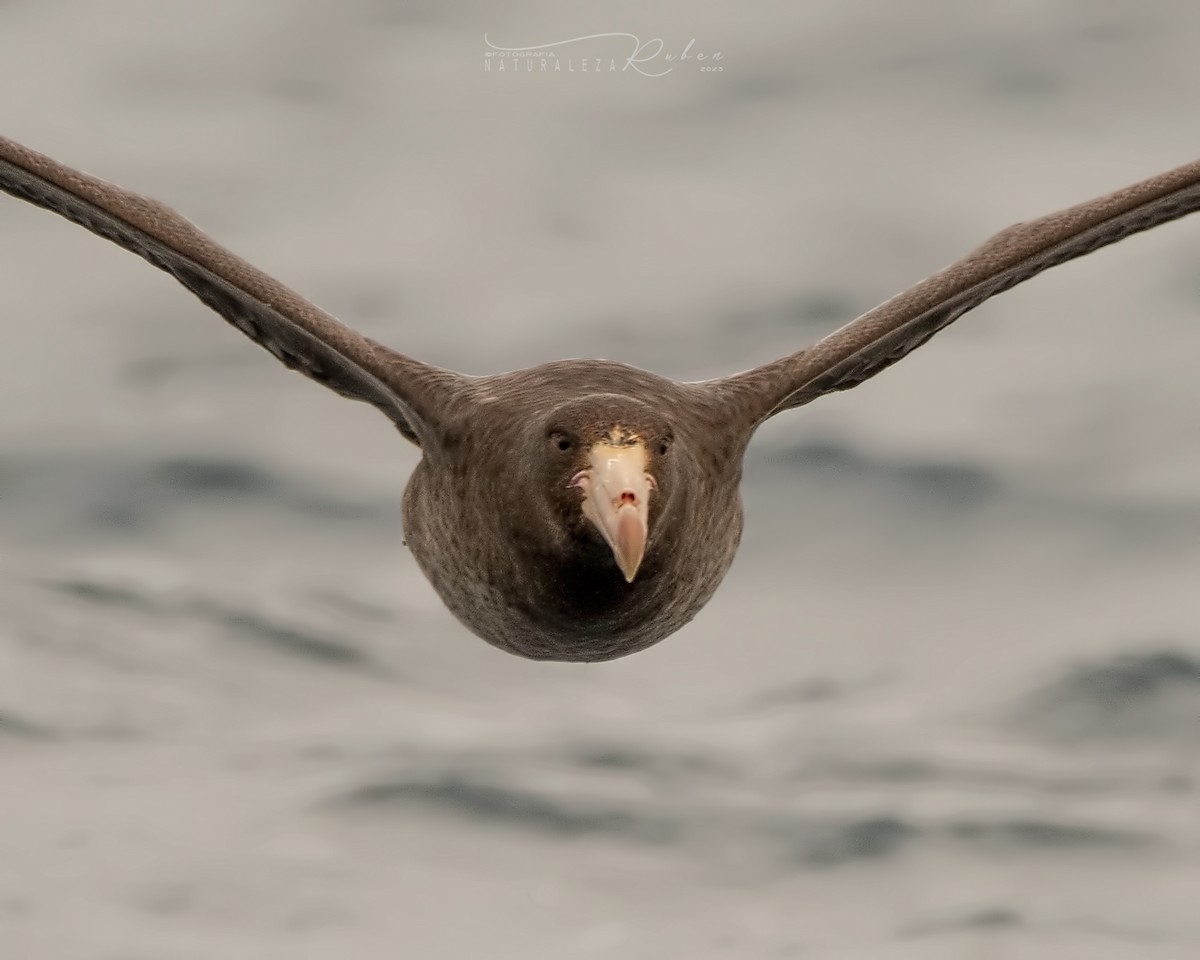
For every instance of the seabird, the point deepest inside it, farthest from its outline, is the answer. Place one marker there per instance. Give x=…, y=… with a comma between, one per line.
x=583, y=509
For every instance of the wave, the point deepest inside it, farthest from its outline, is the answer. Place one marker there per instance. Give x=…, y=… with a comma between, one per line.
x=108, y=492
x=1153, y=695
x=959, y=483
x=809, y=839
x=16, y=727
x=231, y=621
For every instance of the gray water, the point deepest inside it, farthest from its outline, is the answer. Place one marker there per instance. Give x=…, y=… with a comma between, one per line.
x=947, y=704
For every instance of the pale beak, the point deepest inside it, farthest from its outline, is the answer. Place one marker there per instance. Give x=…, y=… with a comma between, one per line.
x=616, y=498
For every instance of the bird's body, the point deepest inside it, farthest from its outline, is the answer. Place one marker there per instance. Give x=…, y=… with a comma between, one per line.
x=510, y=565
x=583, y=509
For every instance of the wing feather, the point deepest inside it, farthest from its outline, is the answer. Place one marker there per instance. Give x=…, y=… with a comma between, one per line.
x=865, y=346
x=302, y=336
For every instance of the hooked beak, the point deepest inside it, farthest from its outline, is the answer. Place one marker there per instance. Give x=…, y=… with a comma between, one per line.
x=616, y=498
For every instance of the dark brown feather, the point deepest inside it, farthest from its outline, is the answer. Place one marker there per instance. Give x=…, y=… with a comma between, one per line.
x=490, y=512
x=892, y=330
x=296, y=332
x=494, y=524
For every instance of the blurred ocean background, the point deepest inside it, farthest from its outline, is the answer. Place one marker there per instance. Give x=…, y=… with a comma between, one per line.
x=947, y=704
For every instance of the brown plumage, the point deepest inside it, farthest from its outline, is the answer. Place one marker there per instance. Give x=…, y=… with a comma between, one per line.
x=583, y=509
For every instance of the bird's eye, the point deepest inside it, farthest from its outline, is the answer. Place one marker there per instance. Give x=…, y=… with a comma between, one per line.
x=561, y=441
x=663, y=446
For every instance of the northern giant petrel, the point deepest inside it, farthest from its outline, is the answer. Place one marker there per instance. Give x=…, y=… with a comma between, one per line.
x=582, y=509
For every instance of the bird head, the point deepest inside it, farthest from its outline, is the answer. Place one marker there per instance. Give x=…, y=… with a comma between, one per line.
x=610, y=464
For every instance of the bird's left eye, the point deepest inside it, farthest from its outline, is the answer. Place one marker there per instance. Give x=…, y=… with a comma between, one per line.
x=663, y=446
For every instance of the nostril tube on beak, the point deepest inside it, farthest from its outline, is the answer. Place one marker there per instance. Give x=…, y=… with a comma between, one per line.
x=617, y=488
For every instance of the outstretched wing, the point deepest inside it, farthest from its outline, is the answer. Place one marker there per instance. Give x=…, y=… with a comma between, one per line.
x=880, y=337
x=301, y=335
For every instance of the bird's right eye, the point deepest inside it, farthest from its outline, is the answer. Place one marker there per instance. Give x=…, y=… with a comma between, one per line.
x=561, y=441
